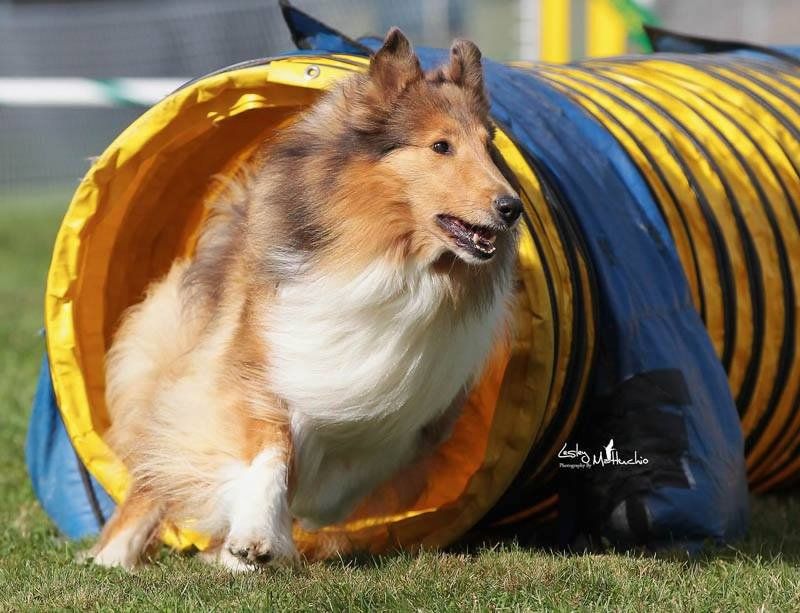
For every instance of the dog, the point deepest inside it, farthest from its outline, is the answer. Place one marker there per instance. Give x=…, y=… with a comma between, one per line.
x=342, y=298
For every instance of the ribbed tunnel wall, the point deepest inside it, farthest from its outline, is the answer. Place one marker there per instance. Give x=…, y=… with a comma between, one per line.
x=718, y=140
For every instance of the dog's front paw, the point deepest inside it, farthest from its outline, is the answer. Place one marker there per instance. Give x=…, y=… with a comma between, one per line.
x=260, y=530
x=110, y=556
x=257, y=548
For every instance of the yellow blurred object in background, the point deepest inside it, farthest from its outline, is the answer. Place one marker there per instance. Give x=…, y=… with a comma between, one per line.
x=605, y=29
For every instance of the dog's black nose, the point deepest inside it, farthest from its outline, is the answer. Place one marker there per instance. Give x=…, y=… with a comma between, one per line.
x=509, y=208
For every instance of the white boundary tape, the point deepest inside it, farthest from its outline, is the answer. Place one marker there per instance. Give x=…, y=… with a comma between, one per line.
x=78, y=92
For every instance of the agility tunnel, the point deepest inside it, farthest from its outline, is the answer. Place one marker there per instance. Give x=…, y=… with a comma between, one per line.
x=656, y=307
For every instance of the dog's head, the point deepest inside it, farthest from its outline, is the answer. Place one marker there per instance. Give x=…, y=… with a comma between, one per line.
x=405, y=159
x=436, y=139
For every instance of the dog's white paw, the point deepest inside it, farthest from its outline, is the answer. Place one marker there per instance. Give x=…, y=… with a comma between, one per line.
x=85, y=556
x=256, y=548
x=260, y=531
x=113, y=555
x=222, y=557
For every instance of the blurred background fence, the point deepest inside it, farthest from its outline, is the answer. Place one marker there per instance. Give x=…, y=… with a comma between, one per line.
x=49, y=128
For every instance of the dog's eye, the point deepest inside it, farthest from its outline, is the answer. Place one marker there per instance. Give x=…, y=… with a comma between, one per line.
x=441, y=146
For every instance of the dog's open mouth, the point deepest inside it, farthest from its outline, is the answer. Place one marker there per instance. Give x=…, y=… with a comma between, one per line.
x=478, y=241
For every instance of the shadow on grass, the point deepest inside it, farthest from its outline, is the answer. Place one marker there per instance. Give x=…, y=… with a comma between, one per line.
x=773, y=538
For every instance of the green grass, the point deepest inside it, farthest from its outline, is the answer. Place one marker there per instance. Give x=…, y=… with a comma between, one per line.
x=37, y=569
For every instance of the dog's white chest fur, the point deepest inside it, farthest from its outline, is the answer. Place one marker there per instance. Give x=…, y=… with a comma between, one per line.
x=364, y=364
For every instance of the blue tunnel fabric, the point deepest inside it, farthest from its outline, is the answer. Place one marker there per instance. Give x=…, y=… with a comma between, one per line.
x=310, y=33
x=68, y=493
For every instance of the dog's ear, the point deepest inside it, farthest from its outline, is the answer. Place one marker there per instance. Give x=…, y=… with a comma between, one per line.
x=394, y=66
x=466, y=70
x=465, y=64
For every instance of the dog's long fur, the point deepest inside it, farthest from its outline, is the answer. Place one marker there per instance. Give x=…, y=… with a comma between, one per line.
x=327, y=324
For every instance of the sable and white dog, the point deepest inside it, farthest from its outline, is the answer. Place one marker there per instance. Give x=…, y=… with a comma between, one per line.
x=340, y=302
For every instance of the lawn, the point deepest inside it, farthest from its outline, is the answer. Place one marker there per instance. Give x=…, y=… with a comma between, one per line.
x=37, y=569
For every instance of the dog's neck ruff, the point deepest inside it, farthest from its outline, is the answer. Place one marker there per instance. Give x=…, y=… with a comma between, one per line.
x=365, y=347
x=364, y=363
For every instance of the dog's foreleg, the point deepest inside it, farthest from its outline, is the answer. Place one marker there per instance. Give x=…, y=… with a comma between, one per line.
x=260, y=522
x=128, y=532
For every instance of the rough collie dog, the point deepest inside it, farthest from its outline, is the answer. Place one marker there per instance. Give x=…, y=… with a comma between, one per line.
x=340, y=302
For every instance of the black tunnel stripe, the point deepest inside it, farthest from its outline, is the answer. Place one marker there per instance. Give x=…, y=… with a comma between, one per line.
x=91, y=495
x=768, y=87
x=729, y=297
x=787, y=350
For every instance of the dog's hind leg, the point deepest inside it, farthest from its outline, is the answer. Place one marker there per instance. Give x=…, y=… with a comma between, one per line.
x=128, y=532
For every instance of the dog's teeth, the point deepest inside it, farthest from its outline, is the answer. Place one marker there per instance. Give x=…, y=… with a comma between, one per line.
x=476, y=237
